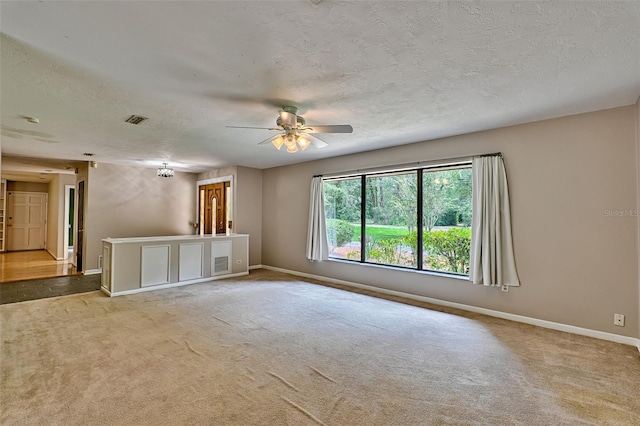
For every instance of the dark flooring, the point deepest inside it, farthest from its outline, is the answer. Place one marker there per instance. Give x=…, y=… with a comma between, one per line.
x=21, y=291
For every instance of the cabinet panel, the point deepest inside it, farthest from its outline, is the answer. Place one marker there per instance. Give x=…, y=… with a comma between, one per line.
x=155, y=265
x=220, y=257
x=106, y=267
x=190, y=265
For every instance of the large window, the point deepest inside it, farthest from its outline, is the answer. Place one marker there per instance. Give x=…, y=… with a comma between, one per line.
x=419, y=219
x=342, y=212
x=446, y=224
x=390, y=212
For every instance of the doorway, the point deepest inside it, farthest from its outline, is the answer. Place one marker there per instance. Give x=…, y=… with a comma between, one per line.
x=79, y=243
x=26, y=220
x=222, y=190
x=69, y=216
x=215, y=207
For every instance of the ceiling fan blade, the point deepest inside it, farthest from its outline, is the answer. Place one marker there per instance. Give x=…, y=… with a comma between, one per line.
x=336, y=128
x=269, y=140
x=288, y=119
x=316, y=141
x=260, y=128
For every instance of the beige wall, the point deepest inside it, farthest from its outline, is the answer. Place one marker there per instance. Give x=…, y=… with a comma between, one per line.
x=53, y=215
x=247, y=205
x=248, y=213
x=27, y=186
x=124, y=201
x=216, y=173
x=577, y=265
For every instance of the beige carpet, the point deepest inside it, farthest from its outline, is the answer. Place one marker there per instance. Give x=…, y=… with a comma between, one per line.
x=269, y=349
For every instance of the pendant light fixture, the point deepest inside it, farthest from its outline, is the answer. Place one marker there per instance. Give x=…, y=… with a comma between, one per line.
x=165, y=171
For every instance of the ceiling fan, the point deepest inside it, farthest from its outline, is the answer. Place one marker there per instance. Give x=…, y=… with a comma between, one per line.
x=295, y=132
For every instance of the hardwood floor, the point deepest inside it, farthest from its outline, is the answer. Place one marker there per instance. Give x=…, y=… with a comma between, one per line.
x=28, y=265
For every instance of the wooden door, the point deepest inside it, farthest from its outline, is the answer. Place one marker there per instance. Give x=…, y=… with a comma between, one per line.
x=217, y=192
x=26, y=221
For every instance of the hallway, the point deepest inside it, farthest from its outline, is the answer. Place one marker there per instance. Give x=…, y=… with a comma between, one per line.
x=28, y=265
x=30, y=275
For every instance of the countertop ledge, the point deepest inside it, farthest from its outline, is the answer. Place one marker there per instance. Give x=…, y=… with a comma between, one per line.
x=170, y=238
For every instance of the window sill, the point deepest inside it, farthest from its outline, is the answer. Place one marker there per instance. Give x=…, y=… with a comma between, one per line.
x=394, y=268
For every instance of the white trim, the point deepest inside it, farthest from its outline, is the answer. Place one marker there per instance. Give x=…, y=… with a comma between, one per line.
x=92, y=271
x=490, y=312
x=178, y=284
x=65, y=227
x=54, y=256
x=259, y=266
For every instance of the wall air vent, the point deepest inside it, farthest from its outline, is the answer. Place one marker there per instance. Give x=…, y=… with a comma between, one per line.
x=136, y=119
x=221, y=264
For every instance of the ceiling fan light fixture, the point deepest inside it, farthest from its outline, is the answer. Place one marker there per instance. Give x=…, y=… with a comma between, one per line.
x=277, y=142
x=303, y=142
x=290, y=142
x=294, y=133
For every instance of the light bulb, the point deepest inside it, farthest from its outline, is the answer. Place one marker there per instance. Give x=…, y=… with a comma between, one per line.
x=290, y=141
x=292, y=149
x=303, y=142
x=277, y=142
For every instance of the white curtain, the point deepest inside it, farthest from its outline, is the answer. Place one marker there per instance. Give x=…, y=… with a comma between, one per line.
x=317, y=246
x=492, y=261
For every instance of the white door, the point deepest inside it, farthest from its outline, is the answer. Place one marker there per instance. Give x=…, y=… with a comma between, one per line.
x=26, y=221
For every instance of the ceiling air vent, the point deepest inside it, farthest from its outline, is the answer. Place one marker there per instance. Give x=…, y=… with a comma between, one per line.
x=136, y=119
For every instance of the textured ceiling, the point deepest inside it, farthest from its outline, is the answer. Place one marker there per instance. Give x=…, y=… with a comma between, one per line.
x=398, y=72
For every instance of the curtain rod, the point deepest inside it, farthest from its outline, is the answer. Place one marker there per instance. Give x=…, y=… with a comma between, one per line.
x=407, y=165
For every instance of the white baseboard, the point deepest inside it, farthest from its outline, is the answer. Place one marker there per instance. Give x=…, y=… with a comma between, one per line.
x=92, y=271
x=255, y=267
x=54, y=256
x=171, y=285
x=490, y=312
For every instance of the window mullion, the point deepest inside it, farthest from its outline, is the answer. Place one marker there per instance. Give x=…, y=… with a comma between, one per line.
x=419, y=222
x=363, y=216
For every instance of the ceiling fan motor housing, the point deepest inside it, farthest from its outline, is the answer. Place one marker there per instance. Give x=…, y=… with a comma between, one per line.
x=300, y=121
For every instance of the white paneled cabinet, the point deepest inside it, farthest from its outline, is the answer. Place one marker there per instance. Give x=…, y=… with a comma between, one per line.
x=132, y=265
